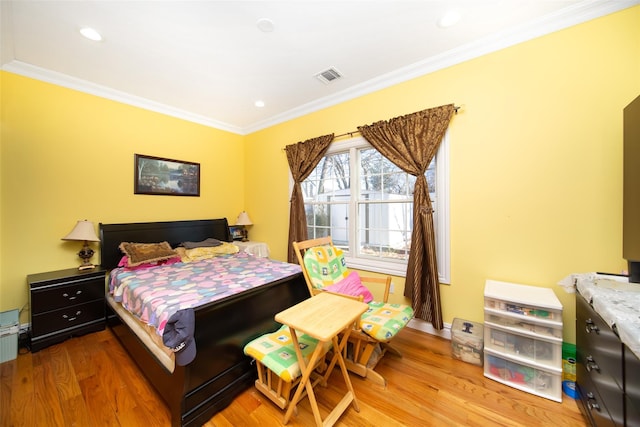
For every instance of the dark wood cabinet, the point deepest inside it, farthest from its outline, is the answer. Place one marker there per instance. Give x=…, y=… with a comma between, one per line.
x=632, y=387
x=608, y=372
x=65, y=303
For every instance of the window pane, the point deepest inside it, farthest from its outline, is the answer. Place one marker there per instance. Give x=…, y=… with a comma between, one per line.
x=370, y=170
x=309, y=189
x=396, y=184
x=430, y=174
x=385, y=229
x=374, y=249
x=379, y=178
x=327, y=196
x=324, y=219
x=329, y=181
x=339, y=223
x=316, y=232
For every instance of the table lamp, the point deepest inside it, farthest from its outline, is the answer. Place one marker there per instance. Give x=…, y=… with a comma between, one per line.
x=244, y=220
x=83, y=231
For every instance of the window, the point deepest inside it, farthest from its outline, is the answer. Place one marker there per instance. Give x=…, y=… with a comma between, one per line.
x=365, y=203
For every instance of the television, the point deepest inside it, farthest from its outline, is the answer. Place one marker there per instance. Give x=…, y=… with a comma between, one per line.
x=631, y=190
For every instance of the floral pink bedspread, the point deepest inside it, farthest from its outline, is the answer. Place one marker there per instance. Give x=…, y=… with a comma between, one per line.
x=156, y=293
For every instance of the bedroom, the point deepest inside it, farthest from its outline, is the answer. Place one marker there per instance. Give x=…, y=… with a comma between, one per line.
x=535, y=164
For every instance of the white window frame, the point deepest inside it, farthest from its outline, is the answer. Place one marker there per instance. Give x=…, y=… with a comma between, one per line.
x=441, y=208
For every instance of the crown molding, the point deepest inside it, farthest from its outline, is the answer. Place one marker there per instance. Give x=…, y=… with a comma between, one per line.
x=570, y=16
x=60, y=79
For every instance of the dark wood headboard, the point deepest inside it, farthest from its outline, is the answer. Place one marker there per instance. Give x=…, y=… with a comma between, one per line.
x=174, y=232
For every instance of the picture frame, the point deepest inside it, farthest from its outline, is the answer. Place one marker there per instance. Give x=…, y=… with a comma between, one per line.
x=165, y=177
x=237, y=232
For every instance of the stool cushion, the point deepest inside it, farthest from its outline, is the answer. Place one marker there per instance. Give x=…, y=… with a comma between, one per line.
x=383, y=321
x=276, y=352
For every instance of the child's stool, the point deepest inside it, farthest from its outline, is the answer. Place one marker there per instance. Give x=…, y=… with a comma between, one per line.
x=276, y=357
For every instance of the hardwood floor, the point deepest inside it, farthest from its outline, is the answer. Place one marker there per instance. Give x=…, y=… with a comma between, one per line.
x=91, y=381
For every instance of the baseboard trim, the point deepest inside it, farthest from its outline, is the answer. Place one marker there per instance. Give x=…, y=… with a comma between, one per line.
x=423, y=326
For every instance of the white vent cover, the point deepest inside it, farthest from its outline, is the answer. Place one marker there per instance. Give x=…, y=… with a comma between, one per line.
x=329, y=76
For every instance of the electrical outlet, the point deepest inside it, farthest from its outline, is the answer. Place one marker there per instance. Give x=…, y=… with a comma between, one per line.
x=391, y=288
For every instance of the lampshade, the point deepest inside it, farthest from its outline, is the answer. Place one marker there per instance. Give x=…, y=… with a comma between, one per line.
x=243, y=219
x=82, y=231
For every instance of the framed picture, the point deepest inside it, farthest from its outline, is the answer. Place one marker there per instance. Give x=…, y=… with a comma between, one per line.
x=237, y=232
x=166, y=177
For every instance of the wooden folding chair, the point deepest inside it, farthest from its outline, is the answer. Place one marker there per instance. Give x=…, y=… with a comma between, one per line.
x=323, y=265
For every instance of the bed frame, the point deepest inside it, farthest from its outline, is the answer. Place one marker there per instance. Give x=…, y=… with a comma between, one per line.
x=220, y=371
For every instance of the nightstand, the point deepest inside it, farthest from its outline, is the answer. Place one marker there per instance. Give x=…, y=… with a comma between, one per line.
x=65, y=303
x=259, y=249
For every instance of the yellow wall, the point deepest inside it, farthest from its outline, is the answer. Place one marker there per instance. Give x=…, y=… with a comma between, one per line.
x=536, y=159
x=536, y=164
x=68, y=156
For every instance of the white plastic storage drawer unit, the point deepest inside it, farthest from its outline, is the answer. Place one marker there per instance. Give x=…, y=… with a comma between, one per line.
x=523, y=338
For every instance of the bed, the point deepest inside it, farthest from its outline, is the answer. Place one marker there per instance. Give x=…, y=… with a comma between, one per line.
x=220, y=370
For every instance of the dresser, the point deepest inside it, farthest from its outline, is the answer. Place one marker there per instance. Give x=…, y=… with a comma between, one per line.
x=607, y=343
x=599, y=362
x=65, y=303
x=523, y=338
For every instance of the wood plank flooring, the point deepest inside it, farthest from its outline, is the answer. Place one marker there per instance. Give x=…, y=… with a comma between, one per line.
x=91, y=381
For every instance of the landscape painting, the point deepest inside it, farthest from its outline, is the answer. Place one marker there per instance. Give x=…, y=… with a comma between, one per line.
x=166, y=177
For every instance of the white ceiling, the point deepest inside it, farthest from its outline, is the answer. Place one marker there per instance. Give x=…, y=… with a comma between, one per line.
x=208, y=62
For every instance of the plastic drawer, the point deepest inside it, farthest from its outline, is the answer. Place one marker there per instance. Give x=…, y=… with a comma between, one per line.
x=525, y=348
x=523, y=300
x=517, y=324
x=546, y=383
x=523, y=309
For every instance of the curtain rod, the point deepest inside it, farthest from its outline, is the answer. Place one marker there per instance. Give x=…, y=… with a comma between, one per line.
x=455, y=109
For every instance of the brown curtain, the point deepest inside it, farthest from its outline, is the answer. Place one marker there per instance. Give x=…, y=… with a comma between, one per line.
x=303, y=157
x=411, y=142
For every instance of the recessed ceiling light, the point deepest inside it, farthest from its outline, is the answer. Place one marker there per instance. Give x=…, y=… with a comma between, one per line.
x=91, y=34
x=265, y=25
x=449, y=19
x=259, y=103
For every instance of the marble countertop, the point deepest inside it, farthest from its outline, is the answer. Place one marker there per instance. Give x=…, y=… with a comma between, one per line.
x=618, y=302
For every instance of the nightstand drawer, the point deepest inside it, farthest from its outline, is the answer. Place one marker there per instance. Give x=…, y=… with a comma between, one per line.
x=65, y=303
x=68, y=317
x=52, y=298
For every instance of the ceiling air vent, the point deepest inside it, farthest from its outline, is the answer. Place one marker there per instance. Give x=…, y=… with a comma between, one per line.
x=329, y=76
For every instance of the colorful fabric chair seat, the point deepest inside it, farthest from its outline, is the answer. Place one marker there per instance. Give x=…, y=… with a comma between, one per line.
x=384, y=320
x=276, y=352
